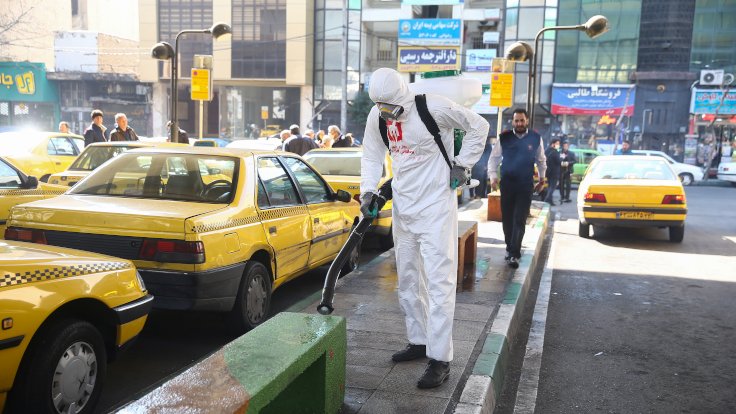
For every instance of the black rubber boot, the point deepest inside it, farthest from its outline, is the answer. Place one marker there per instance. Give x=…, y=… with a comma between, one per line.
x=436, y=373
x=410, y=353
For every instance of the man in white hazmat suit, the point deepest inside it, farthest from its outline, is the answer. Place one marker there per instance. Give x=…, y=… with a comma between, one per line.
x=424, y=209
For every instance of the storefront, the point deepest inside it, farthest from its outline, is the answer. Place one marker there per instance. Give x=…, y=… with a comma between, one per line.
x=590, y=113
x=27, y=99
x=712, y=125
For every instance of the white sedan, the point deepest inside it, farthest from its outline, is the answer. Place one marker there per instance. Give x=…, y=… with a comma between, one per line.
x=687, y=173
x=727, y=172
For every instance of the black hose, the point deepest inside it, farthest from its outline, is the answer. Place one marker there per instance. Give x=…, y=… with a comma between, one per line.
x=328, y=291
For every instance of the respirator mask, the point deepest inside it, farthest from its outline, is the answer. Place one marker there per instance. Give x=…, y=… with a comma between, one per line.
x=389, y=112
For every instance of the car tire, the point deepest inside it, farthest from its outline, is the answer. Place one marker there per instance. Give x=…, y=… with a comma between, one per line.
x=583, y=230
x=253, y=301
x=386, y=242
x=677, y=233
x=686, y=178
x=60, y=355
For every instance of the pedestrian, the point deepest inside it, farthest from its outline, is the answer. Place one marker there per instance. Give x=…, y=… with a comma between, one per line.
x=339, y=140
x=568, y=160
x=625, y=149
x=96, y=131
x=520, y=148
x=424, y=207
x=285, y=136
x=183, y=135
x=297, y=143
x=480, y=172
x=122, y=131
x=554, y=168
x=64, y=127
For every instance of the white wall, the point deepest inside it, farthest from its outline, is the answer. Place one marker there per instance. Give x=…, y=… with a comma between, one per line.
x=76, y=51
x=114, y=17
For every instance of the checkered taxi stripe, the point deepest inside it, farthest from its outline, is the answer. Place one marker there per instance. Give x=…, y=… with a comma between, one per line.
x=237, y=222
x=39, y=275
x=35, y=192
x=276, y=213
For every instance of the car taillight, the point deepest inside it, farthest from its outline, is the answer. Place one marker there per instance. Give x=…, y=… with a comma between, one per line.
x=172, y=251
x=725, y=168
x=673, y=199
x=595, y=197
x=26, y=235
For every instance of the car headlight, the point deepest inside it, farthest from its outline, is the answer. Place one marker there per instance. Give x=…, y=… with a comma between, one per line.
x=140, y=281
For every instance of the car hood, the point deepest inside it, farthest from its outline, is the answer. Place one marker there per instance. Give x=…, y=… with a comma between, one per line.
x=110, y=215
x=14, y=253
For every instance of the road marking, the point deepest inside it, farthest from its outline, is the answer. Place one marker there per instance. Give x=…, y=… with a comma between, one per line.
x=526, y=392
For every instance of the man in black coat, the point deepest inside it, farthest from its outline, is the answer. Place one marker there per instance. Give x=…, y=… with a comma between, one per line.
x=568, y=161
x=553, y=169
x=96, y=131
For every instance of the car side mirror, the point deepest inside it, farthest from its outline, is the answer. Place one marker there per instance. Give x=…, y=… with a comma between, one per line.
x=31, y=182
x=343, y=196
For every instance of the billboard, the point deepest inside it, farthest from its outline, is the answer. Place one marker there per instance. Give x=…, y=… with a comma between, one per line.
x=479, y=60
x=428, y=59
x=706, y=101
x=430, y=32
x=587, y=99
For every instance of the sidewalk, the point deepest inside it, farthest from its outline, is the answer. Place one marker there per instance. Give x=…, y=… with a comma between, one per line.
x=484, y=318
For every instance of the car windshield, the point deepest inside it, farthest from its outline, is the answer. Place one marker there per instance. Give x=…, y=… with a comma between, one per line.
x=627, y=168
x=164, y=176
x=94, y=156
x=335, y=163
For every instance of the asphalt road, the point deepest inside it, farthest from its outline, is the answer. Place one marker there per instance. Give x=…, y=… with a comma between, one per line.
x=173, y=341
x=637, y=324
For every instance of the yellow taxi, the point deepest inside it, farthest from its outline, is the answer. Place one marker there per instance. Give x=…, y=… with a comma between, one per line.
x=64, y=314
x=214, y=229
x=631, y=191
x=341, y=168
x=40, y=154
x=17, y=188
x=97, y=154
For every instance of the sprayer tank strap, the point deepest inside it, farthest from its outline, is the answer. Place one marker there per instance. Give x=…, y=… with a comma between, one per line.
x=429, y=123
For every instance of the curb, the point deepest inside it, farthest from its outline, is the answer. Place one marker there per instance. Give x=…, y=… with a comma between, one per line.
x=486, y=379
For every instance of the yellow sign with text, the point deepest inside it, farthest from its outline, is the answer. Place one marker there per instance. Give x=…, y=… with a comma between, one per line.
x=502, y=90
x=201, y=85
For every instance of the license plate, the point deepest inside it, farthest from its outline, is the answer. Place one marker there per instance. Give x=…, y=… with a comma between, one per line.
x=634, y=215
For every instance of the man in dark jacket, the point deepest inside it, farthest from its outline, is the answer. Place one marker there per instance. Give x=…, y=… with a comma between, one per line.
x=96, y=131
x=340, y=141
x=568, y=160
x=553, y=169
x=122, y=131
x=298, y=144
x=520, y=149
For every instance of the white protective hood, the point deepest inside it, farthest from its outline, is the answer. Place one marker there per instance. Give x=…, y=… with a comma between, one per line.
x=387, y=86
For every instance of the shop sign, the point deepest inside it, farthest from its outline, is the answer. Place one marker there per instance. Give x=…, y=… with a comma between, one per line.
x=201, y=89
x=428, y=59
x=25, y=82
x=430, y=32
x=502, y=90
x=586, y=99
x=706, y=101
x=479, y=60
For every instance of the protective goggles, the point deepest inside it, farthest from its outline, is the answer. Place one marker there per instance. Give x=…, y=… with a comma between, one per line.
x=388, y=111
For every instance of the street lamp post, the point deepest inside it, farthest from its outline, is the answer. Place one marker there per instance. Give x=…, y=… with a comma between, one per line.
x=594, y=27
x=164, y=51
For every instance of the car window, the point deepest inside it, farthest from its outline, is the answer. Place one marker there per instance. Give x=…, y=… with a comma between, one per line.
x=654, y=169
x=78, y=144
x=162, y=176
x=9, y=178
x=93, y=157
x=278, y=187
x=314, y=188
x=61, y=146
x=335, y=163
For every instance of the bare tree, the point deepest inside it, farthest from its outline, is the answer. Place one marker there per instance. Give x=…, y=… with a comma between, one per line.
x=11, y=18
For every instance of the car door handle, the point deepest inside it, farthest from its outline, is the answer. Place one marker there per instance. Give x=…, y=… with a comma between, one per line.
x=272, y=230
x=316, y=220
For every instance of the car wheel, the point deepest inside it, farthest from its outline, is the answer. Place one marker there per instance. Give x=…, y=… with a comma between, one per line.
x=583, y=230
x=686, y=178
x=353, y=258
x=254, y=298
x=677, y=233
x=65, y=370
x=387, y=241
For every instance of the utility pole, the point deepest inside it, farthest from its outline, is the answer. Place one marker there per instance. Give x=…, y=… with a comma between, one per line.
x=344, y=80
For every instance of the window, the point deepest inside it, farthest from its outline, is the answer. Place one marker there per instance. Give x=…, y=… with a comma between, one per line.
x=9, y=178
x=314, y=188
x=259, y=39
x=61, y=146
x=93, y=157
x=275, y=182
